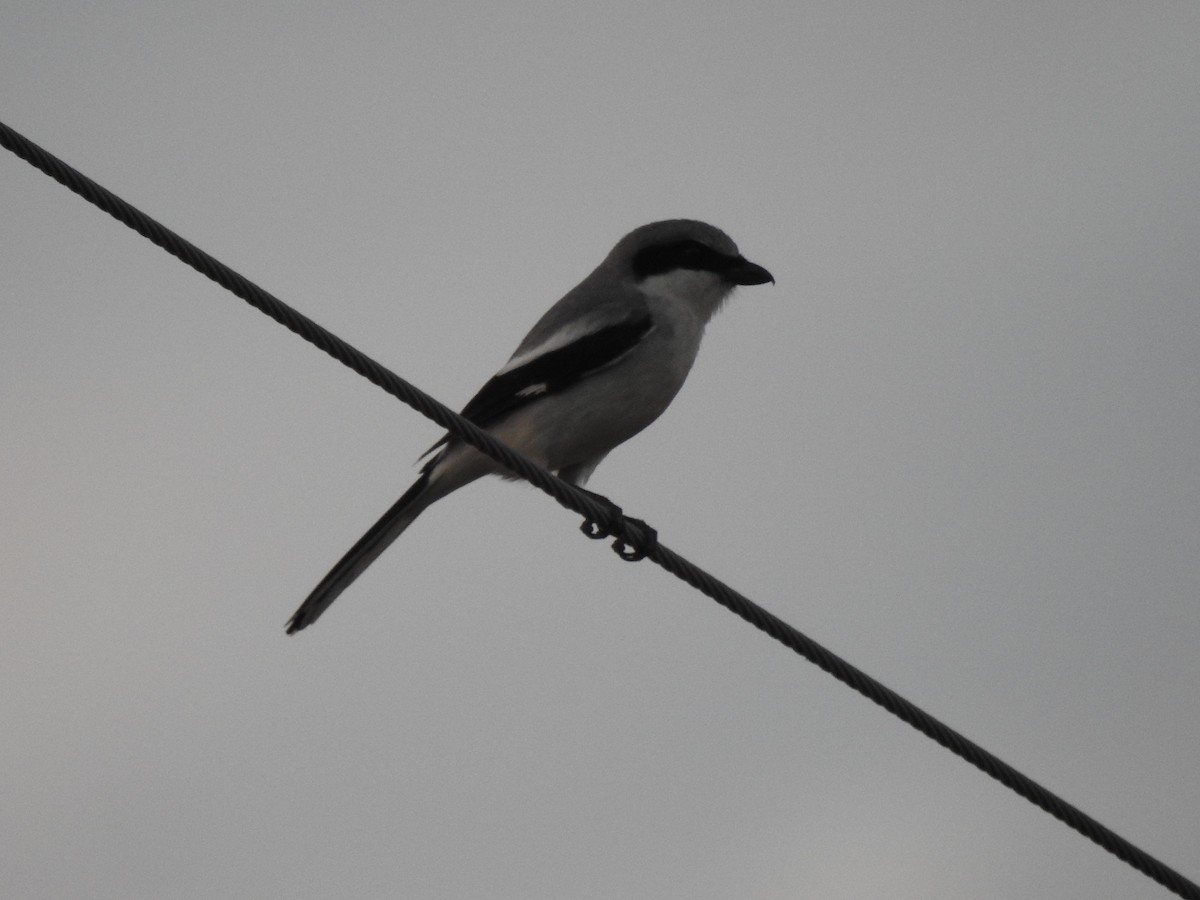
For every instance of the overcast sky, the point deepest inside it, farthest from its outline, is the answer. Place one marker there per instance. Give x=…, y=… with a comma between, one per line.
x=958, y=443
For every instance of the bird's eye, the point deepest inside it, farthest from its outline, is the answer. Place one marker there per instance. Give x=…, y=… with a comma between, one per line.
x=686, y=254
x=693, y=256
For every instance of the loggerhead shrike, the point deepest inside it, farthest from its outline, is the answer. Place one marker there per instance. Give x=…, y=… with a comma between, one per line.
x=600, y=365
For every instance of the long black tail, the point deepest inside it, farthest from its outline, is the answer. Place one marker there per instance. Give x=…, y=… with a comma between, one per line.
x=363, y=553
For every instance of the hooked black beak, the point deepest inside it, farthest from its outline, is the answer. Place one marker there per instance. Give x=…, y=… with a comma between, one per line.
x=745, y=272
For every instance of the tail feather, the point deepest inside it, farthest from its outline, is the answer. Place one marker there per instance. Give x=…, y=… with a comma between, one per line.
x=364, y=552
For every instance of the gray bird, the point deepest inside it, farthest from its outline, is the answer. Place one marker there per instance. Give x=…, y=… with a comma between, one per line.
x=603, y=363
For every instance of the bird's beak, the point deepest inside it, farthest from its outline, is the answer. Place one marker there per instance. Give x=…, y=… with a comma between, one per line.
x=745, y=272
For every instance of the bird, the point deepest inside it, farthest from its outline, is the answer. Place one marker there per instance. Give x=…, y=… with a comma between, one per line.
x=600, y=365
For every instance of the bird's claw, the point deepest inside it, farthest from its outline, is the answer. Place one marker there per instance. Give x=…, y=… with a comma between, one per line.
x=630, y=544
x=593, y=529
x=639, y=548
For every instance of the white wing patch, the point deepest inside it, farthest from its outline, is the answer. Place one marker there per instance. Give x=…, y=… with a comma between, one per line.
x=532, y=389
x=559, y=339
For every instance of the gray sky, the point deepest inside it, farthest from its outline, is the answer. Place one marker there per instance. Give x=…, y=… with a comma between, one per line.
x=959, y=443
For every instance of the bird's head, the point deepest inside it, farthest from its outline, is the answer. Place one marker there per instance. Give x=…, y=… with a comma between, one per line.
x=685, y=261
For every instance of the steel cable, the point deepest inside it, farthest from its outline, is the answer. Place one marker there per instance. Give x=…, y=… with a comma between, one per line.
x=588, y=506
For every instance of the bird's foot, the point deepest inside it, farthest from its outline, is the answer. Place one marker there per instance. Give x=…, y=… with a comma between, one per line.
x=632, y=543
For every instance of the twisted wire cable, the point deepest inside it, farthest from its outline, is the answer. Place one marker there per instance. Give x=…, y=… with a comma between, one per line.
x=611, y=523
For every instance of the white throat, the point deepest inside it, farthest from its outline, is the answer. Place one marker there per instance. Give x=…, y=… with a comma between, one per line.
x=703, y=292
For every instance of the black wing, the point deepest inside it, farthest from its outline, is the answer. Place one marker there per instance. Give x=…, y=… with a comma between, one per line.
x=559, y=368
x=553, y=371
